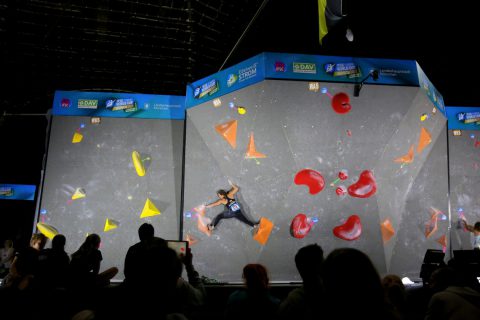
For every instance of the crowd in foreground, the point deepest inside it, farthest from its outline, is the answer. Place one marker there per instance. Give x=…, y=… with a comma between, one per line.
x=47, y=283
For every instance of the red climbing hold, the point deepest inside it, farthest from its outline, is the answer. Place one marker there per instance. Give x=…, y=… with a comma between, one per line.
x=341, y=103
x=341, y=191
x=365, y=186
x=300, y=226
x=343, y=175
x=350, y=230
x=312, y=179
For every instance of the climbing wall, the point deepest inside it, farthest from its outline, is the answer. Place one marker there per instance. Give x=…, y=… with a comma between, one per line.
x=316, y=165
x=109, y=177
x=465, y=184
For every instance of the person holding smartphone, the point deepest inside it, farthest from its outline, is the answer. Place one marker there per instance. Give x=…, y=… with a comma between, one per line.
x=232, y=208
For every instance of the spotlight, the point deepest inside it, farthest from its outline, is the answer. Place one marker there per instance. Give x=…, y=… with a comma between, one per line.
x=358, y=86
x=349, y=35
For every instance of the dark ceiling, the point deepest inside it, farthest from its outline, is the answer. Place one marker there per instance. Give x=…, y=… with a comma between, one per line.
x=160, y=46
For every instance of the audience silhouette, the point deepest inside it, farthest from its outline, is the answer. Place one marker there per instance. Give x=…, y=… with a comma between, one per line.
x=7, y=253
x=136, y=263
x=255, y=302
x=53, y=265
x=353, y=288
x=24, y=267
x=85, y=265
x=345, y=285
x=303, y=302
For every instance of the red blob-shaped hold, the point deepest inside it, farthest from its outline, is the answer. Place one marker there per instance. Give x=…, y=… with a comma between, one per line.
x=350, y=230
x=365, y=186
x=343, y=175
x=341, y=103
x=300, y=226
x=340, y=191
x=310, y=178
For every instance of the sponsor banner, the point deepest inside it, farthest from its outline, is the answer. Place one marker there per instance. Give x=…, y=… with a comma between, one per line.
x=310, y=68
x=208, y=88
x=231, y=79
x=463, y=118
x=339, y=69
x=17, y=192
x=347, y=69
x=304, y=67
x=118, y=105
x=430, y=90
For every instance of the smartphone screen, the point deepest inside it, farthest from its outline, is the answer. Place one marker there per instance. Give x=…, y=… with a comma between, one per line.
x=180, y=247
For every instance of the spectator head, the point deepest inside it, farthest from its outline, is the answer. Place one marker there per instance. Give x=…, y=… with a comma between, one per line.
x=163, y=266
x=256, y=277
x=146, y=232
x=38, y=241
x=394, y=291
x=58, y=242
x=309, y=260
x=391, y=280
x=8, y=244
x=442, y=278
x=349, y=275
x=91, y=242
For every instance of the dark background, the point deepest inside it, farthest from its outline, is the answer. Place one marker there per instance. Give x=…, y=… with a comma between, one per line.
x=159, y=47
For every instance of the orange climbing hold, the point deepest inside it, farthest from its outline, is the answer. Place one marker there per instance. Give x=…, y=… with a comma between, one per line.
x=408, y=158
x=252, y=152
x=264, y=231
x=424, y=140
x=202, y=221
x=387, y=230
x=228, y=131
x=432, y=225
x=443, y=240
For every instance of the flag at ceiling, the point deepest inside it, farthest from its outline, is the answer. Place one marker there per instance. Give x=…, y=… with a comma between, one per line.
x=330, y=13
x=322, y=19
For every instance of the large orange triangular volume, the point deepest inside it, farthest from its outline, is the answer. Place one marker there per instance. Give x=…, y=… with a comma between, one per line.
x=408, y=158
x=424, y=140
x=228, y=131
x=252, y=152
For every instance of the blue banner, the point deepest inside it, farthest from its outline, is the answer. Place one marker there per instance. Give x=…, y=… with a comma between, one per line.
x=17, y=192
x=231, y=79
x=118, y=105
x=430, y=90
x=311, y=68
x=463, y=118
x=340, y=69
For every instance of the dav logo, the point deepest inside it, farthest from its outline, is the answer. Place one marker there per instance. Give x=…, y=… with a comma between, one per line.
x=304, y=67
x=65, y=103
x=87, y=104
x=280, y=67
